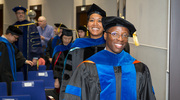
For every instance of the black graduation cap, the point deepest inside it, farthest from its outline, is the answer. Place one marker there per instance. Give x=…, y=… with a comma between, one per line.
x=14, y=30
x=58, y=25
x=96, y=9
x=67, y=32
x=82, y=28
x=19, y=8
x=111, y=21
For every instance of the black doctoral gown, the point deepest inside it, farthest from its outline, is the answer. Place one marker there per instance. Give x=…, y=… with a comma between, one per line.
x=106, y=76
x=5, y=67
x=81, y=49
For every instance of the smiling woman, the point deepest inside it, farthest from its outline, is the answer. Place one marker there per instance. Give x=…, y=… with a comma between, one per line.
x=95, y=26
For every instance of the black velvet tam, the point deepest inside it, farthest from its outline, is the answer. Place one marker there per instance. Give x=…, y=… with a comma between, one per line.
x=14, y=30
x=19, y=8
x=82, y=28
x=67, y=32
x=60, y=25
x=111, y=21
x=96, y=9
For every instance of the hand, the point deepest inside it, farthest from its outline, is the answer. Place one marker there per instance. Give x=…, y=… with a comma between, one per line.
x=35, y=61
x=29, y=62
x=42, y=37
x=56, y=83
x=50, y=60
x=51, y=98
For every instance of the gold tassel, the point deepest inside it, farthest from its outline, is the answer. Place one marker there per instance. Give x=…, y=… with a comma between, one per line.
x=27, y=12
x=87, y=33
x=135, y=39
x=77, y=34
x=59, y=27
x=121, y=16
x=38, y=64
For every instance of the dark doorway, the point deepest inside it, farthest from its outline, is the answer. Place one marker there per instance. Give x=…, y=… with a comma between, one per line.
x=1, y=19
x=81, y=15
x=38, y=10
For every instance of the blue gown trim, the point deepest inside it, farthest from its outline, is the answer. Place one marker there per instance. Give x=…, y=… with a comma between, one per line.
x=61, y=48
x=73, y=90
x=88, y=42
x=12, y=59
x=107, y=77
x=107, y=81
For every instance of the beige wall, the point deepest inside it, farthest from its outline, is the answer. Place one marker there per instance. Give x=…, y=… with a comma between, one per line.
x=56, y=11
x=1, y=1
x=151, y=20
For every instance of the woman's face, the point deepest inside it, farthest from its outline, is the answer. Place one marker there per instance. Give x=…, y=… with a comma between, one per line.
x=66, y=39
x=95, y=26
x=81, y=33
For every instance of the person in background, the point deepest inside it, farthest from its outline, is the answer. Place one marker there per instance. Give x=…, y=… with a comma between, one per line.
x=53, y=42
x=29, y=43
x=10, y=57
x=112, y=74
x=83, y=48
x=59, y=54
x=46, y=31
x=82, y=31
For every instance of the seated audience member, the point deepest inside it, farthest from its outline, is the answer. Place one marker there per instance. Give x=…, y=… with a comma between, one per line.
x=11, y=58
x=112, y=74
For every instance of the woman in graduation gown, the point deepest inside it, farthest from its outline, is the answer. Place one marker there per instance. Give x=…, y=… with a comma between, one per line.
x=112, y=74
x=59, y=54
x=83, y=48
x=52, y=43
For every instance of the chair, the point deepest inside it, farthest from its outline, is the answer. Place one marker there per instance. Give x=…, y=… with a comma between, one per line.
x=16, y=97
x=3, y=89
x=42, y=67
x=33, y=88
x=20, y=76
x=47, y=76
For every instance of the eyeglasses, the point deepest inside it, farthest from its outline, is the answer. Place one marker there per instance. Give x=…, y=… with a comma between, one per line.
x=16, y=37
x=116, y=35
